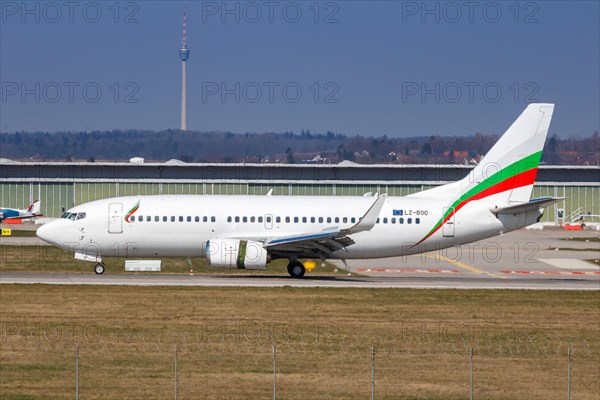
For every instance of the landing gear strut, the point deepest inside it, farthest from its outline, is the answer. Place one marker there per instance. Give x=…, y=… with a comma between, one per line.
x=99, y=268
x=296, y=269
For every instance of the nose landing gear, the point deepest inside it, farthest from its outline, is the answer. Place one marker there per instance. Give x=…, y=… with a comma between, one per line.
x=99, y=268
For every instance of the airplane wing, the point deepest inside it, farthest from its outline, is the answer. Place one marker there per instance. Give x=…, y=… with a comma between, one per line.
x=324, y=243
x=531, y=205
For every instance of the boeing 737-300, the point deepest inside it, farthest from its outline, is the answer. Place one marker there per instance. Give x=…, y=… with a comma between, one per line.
x=250, y=231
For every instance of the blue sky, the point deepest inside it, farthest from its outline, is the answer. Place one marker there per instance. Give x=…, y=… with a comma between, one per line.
x=355, y=67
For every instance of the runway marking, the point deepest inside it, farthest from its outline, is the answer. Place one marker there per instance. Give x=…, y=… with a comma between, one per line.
x=463, y=265
x=409, y=270
x=551, y=272
x=569, y=263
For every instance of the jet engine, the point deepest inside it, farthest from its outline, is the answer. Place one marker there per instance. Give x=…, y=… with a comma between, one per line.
x=232, y=254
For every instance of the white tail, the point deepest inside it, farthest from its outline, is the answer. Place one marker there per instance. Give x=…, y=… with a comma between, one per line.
x=34, y=207
x=508, y=170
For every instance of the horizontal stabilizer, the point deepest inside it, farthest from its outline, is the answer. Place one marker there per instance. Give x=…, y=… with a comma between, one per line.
x=531, y=205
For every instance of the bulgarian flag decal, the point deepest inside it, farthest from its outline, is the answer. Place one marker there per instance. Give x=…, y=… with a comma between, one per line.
x=519, y=174
x=133, y=210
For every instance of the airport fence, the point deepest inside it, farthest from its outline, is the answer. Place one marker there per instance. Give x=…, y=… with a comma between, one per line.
x=232, y=365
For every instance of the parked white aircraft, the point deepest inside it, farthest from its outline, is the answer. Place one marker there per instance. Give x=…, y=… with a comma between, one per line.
x=13, y=213
x=250, y=231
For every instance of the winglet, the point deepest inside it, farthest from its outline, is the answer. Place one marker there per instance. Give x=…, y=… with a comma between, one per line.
x=367, y=221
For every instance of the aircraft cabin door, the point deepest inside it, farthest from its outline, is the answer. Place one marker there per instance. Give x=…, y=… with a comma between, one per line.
x=448, y=227
x=115, y=218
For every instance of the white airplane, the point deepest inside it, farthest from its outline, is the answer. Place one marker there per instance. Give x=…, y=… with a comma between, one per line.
x=250, y=231
x=12, y=213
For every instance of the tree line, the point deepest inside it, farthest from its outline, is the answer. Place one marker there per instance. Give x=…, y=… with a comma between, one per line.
x=286, y=147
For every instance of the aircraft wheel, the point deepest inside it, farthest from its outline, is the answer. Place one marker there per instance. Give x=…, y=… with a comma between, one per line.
x=99, y=269
x=296, y=269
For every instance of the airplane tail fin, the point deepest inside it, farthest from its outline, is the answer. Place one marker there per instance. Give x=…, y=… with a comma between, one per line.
x=508, y=170
x=34, y=207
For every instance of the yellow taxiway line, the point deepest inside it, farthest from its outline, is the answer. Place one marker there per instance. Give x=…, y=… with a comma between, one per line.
x=463, y=265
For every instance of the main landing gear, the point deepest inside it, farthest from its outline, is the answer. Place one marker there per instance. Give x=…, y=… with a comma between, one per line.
x=296, y=269
x=99, y=268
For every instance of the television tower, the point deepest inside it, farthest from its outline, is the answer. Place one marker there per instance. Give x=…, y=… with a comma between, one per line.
x=184, y=54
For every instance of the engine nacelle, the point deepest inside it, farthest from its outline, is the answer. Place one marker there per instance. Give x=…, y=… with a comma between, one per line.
x=232, y=253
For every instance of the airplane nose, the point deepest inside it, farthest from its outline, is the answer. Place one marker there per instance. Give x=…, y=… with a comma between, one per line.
x=44, y=232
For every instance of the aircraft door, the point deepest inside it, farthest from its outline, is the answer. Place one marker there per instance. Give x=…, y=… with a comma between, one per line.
x=115, y=218
x=268, y=221
x=448, y=227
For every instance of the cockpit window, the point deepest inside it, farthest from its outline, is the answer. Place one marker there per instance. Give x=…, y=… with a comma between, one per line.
x=73, y=216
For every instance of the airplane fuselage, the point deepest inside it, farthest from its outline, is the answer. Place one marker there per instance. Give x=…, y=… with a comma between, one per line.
x=181, y=225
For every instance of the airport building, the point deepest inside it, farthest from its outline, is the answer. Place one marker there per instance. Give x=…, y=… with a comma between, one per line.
x=62, y=185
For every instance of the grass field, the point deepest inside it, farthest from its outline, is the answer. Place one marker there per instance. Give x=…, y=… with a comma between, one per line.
x=126, y=339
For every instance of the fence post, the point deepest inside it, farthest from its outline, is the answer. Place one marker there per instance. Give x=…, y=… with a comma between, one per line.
x=372, y=372
x=274, y=373
x=176, y=373
x=569, y=374
x=470, y=373
x=77, y=373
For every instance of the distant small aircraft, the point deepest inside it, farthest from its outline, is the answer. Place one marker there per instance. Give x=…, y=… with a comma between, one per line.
x=249, y=231
x=12, y=213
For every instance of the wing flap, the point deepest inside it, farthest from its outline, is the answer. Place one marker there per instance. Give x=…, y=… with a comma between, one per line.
x=328, y=241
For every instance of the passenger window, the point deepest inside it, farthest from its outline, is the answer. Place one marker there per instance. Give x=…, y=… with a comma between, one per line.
x=417, y=220
x=165, y=218
x=377, y=221
x=205, y=219
x=304, y=219
x=320, y=220
x=213, y=219
x=385, y=220
x=409, y=220
x=401, y=220
x=181, y=218
x=197, y=219
x=337, y=220
x=393, y=220
x=345, y=220
x=228, y=219
x=149, y=218
x=81, y=216
x=328, y=220
x=277, y=219
x=252, y=219
x=172, y=218
x=296, y=219
x=353, y=220
x=260, y=219
x=245, y=219
x=140, y=218
x=269, y=219
x=287, y=220
x=156, y=218
x=312, y=220
x=237, y=219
